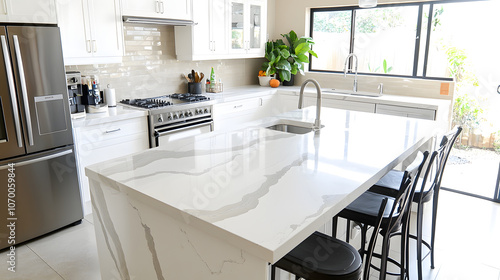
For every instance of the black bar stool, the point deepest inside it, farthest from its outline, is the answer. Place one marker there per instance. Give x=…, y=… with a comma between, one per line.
x=394, y=221
x=427, y=191
x=322, y=257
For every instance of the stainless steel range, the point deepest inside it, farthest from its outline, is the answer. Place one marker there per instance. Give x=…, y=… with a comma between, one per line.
x=175, y=116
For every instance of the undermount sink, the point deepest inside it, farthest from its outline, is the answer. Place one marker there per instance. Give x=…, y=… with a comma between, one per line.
x=351, y=92
x=292, y=127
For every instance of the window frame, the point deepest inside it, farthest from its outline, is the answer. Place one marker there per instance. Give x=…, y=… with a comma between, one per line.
x=416, y=58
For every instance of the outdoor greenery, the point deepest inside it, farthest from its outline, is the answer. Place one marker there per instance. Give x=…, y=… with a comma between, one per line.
x=385, y=68
x=367, y=21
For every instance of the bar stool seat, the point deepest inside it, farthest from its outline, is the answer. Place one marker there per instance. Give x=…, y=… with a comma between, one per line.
x=321, y=257
x=389, y=185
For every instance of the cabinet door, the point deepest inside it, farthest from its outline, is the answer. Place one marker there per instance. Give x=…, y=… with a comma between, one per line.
x=257, y=27
x=173, y=9
x=248, y=27
x=28, y=11
x=106, y=28
x=349, y=105
x=237, y=27
x=219, y=26
x=91, y=31
x=201, y=32
x=106, y=141
x=75, y=29
x=410, y=112
x=176, y=9
x=208, y=38
x=143, y=8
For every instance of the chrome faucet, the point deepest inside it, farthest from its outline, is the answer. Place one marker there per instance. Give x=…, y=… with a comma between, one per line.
x=346, y=68
x=317, y=122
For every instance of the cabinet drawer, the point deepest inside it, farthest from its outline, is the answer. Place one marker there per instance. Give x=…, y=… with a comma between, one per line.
x=237, y=106
x=349, y=105
x=112, y=130
x=410, y=112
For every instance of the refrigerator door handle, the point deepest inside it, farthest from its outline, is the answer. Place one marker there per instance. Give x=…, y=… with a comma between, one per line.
x=13, y=98
x=24, y=91
x=40, y=159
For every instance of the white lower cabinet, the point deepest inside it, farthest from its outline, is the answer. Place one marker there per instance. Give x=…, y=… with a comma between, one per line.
x=290, y=102
x=348, y=105
x=230, y=115
x=97, y=143
x=409, y=112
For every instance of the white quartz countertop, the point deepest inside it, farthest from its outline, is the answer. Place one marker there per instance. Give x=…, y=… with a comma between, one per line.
x=111, y=115
x=396, y=100
x=262, y=190
x=244, y=92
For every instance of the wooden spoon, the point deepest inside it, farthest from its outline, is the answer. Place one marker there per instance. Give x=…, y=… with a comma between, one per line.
x=196, y=77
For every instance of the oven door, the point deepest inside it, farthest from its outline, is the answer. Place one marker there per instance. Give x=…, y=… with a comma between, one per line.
x=170, y=133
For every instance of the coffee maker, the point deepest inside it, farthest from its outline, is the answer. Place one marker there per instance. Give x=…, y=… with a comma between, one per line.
x=92, y=95
x=74, y=82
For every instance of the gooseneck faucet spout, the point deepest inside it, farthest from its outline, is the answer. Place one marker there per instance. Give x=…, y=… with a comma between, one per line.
x=317, y=122
x=346, y=69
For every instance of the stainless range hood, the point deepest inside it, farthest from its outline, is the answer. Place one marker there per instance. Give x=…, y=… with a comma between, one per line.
x=162, y=21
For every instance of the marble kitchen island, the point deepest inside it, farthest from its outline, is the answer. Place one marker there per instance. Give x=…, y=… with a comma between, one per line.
x=225, y=205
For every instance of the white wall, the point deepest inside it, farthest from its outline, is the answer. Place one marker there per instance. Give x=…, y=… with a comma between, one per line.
x=294, y=15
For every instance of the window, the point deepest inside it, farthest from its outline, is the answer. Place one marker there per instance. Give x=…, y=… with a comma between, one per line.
x=394, y=40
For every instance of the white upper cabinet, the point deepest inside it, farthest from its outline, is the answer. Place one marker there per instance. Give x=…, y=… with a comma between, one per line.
x=28, y=11
x=224, y=29
x=91, y=31
x=207, y=39
x=171, y=9
x=248, y=27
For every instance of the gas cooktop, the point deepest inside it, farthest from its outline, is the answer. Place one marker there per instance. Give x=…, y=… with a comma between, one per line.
x=165, y=100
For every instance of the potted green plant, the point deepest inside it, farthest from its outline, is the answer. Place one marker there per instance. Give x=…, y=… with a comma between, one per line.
x=277, y=63
x=299, y=49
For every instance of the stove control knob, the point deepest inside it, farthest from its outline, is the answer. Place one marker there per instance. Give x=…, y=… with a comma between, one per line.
x=181, y=115
x=176, y=116
x=160, y=119
x=205, y=111
x=190, y=114
x=169, y=117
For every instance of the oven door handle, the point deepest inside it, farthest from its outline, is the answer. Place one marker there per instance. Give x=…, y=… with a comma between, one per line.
x=164, y=132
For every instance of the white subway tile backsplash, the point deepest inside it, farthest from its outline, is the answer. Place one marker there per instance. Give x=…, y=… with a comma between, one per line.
x=150, y=66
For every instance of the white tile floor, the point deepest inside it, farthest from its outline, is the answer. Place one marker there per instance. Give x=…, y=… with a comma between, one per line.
x=468, y=247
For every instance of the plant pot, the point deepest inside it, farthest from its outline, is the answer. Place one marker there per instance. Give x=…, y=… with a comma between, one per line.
x=289, y=83
x=264, y=80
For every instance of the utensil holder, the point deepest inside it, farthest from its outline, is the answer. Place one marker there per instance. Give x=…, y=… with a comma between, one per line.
x=194, y=88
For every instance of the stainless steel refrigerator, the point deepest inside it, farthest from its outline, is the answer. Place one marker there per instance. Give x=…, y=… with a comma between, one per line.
x=39, y=189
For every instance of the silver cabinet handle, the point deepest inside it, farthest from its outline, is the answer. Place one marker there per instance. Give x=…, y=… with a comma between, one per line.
x=94, y=46
x=162, y=7
x=165, y=132
x=89, y=48
x=157, y=7
x=31, y=161
x=114, y=130
x=13, y=98
x=24, y=91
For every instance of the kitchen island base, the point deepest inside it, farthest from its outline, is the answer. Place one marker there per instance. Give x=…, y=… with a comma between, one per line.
x=135, y=240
